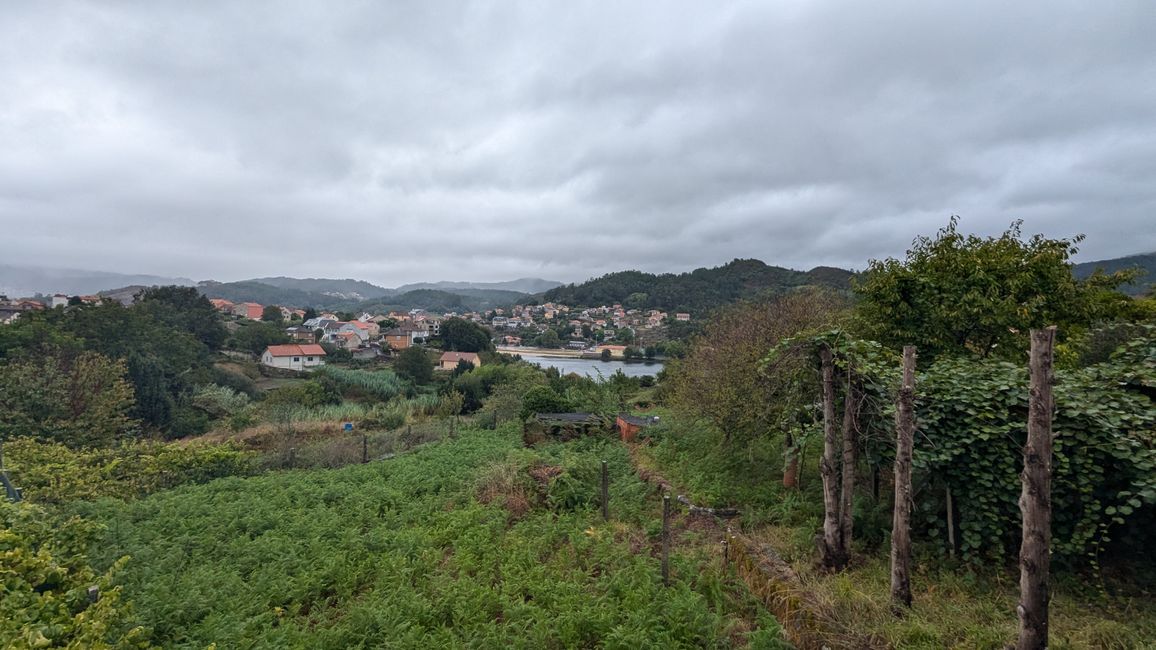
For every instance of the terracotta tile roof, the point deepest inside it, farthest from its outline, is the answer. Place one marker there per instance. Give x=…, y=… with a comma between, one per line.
x=296, y=350
x=454, y=357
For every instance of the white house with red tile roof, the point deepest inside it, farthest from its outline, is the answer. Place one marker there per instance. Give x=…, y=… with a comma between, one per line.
x=293, y=357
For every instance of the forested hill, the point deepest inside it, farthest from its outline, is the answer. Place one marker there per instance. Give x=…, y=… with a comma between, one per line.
x=1145, y=262
x=346, y=288
x=267, y=294
x=698, y=291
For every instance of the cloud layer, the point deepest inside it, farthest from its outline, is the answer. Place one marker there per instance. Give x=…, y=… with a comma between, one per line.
x=425, y=140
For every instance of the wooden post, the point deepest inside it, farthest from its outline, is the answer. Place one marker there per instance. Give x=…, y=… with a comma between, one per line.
x=830, y=543
x=901, y=517
x=292, y=456
x=605, y=492
x=494, y=425
x=726, y=548
x=364, y=448
x=950, y=524
x=847, y=491
x=666, y=540
x=1036, y=498
x=791, y=471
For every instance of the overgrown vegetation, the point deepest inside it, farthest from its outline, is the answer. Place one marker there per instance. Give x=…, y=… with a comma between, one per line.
x=477, y=542
x=455, y=535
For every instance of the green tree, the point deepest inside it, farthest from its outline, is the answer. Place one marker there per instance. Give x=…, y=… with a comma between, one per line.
x=637, y=300
x=460, y=335
x=187, y=309
x=720, y=377
x=543, y=399
x=256, y=336
x=271, y=314
x=154, y=399
x=80, y=401
x=462, y=368
x=549, y=339
x=414, y=364
x=958, y=293
x=120, y=332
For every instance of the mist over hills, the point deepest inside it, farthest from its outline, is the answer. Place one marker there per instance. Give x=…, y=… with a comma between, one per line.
x=698, y=291
x=30, y=280
x=521, y=285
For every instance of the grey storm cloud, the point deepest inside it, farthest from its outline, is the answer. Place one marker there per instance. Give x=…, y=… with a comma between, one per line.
x=409, y=141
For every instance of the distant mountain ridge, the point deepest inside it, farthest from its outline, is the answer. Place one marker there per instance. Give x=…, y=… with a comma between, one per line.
x=521, y=285
x=22, y=281
x=1145, y=261
x=346, y=288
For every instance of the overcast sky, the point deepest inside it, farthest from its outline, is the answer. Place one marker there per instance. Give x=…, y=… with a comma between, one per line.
x=407, y=141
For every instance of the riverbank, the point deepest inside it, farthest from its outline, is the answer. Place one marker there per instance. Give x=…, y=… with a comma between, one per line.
x=593, y=368
x=541, y=352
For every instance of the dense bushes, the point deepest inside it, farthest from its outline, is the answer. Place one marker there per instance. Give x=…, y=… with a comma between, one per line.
x=46, y=576
x=82, y=399
x=52, y=472
x=402, y=553
x=973, y=419
x=382, y=385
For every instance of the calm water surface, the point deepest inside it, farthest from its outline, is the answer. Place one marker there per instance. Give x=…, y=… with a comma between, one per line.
x=595, y=367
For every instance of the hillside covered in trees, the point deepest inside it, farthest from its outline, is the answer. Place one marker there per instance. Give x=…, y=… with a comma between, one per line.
x=698, y=291
x=1145, y=263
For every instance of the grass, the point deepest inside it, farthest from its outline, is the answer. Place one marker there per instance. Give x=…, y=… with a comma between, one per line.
x=953, y=607
x=960, y=608
x=473, y=542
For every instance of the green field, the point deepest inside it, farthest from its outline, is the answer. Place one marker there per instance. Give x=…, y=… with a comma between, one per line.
x=474, y=542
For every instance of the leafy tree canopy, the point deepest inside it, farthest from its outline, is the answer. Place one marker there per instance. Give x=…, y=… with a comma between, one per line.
x=256, y=336
x=187, y=309
x=414, y=364
x=958, y=293
x=81, y=400
x=721, y=377
x=460, y=335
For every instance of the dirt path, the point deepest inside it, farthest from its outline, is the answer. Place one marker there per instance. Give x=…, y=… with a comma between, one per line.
x=807, y=622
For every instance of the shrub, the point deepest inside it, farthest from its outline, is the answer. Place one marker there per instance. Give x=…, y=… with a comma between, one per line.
x=542, y=399
x=381, y=385
x=384, y=416
x=219, y=401
x=46, y=576
x=53, y=473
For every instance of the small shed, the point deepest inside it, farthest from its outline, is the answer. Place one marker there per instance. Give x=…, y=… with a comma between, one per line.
x=629, y=425
x=562, y=426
